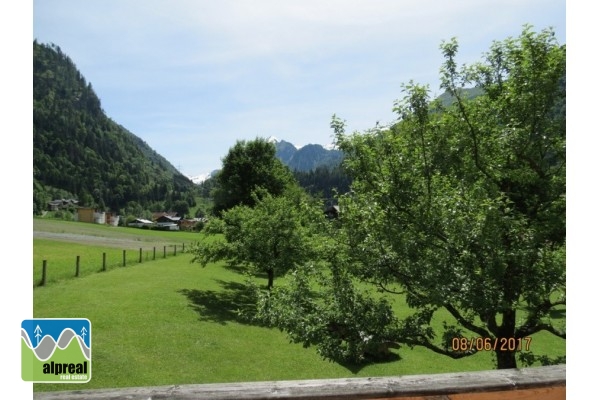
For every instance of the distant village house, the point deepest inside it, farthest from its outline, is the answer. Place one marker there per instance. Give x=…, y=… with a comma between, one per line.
x=140, y=223
x=91, y=215
x=189, y=224
x=168, y=222
x=62, y=204
x=332, y=211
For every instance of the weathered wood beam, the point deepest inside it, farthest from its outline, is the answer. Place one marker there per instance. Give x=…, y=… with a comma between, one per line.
x=427, y=386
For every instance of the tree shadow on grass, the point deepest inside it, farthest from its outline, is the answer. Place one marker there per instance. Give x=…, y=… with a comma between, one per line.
x=224, y=306
x=355, y=368
x=221, y=306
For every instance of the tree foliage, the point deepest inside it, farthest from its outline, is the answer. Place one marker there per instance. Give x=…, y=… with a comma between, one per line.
x=323, y=307
x=273, y=236
x=457, y=208
x=248, y=167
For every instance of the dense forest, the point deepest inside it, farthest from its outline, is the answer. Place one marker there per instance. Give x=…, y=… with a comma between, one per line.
x=79, y=152
x=324, y=182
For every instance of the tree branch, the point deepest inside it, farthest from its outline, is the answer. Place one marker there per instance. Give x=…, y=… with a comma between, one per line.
x=427, y=344
x=490, y=321
x=465, y=323
x=533, y=324
x=385, y=289
x=472, y=133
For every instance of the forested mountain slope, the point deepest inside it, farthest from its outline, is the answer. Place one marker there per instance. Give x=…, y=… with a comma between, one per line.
x=79, y=150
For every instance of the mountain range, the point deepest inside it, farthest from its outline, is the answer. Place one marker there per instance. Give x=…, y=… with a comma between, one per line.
x=312, y=156
x=301, y=159
x=306, y=158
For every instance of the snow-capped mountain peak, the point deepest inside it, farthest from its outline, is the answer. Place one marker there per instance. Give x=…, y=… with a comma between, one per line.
x=198, y=179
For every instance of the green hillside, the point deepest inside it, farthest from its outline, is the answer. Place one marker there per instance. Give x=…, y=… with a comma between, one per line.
x=79, y=151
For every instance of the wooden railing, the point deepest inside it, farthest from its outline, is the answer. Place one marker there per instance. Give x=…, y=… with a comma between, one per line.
x=548, y=383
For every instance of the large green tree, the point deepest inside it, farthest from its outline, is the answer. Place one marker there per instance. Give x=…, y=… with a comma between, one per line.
x=248, y=166
x=457, y=208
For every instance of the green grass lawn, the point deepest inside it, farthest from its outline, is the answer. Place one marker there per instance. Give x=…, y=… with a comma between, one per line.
x=103, y=248
x=61, y=258
x=169, y=322
x=173, y=322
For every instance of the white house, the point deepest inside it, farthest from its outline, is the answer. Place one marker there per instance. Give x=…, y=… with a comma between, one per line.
x=168, y=223
x=140, y=223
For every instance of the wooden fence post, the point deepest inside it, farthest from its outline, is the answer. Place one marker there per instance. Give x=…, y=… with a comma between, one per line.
x=43, y=282
x=140, y=255
x=154, y=253
x=164, y=251
x=124, y=258
x=103, y=261
x=174, y=249
x=183, y=247
x=77, y=266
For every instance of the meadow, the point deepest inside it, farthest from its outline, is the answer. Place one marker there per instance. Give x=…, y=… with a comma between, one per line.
x=170, y=322
x=99, y=247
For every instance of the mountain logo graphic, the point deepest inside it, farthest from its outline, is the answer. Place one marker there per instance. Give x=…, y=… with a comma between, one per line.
x=55, y=350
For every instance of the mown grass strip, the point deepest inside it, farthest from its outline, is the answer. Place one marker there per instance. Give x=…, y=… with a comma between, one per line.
x=82, y=228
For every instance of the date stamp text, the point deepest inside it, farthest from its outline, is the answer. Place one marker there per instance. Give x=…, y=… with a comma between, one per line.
x=491, y=344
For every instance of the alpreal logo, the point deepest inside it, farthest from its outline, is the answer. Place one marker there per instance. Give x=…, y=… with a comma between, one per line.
x=55, y=350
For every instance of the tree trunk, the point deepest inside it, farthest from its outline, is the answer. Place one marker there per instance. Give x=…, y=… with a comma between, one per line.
x=271, y=275
x=506, y=359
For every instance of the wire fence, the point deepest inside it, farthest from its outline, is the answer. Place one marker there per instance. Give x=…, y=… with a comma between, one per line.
x=48, y=273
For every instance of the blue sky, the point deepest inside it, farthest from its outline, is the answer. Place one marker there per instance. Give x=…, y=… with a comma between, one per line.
x=192, y=77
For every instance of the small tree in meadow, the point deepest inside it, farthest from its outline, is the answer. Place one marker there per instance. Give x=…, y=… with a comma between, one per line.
x=275, y=235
